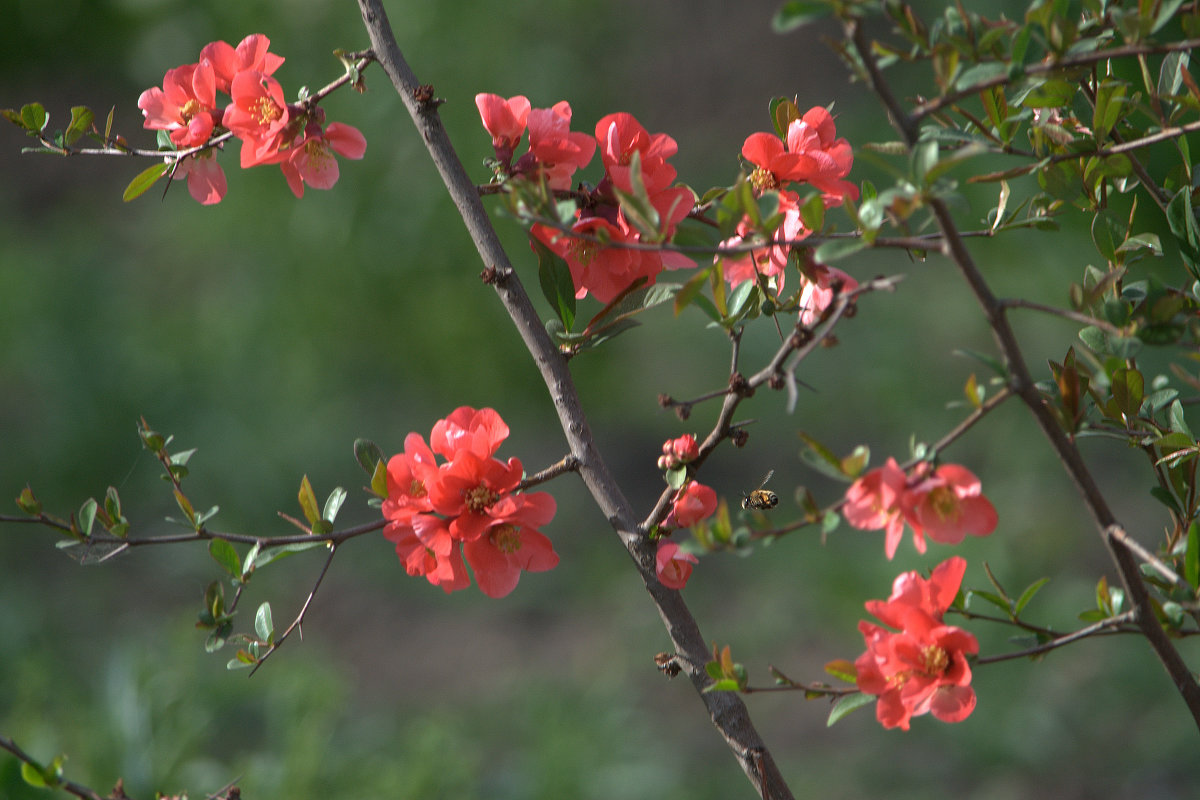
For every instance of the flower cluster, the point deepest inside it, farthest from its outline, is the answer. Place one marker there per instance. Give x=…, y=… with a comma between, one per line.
x=593, y=249
x=465, y=507
x=677, y=452
x=271, y=130
x=920, y=666
x=693, y=503
x=946, y=503
x=810, y=153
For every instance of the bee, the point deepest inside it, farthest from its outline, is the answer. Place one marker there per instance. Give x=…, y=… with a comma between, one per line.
x=761, y=499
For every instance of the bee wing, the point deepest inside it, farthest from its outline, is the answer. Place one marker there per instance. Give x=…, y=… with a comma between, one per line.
x=764, y=480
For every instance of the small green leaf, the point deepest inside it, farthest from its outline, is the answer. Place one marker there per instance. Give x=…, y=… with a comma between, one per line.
x=81, y=120
x=1028, y=594
x=27, y=502
x=837, y=249
x=87, y=516
x=558, y=287
x=796, y=13
x=144, y=180
x=34, y=117
x=1191, y=556
x=308, y=501
x=333, y=504
x=271, y=554
x=263, y=624
x=724, y=685
x=847, y=703
x=227, y=556
x=379, y=479
x=368, y=454
x=843, y=670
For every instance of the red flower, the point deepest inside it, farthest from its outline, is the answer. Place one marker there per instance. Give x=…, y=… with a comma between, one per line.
x=818, y=291
x=479, y=431
x=679, y=451
x=693, y=503
x=186, y=105
x=673, y=566
x=439, y=513
x=259, y=117
x=505, y=120
x=814, y=136
x=620, y=136
x=873, y=502
x=948, y=505
x=512, y=544
x=205, y=178
x=250, y=54
x=922, y=668
x=770, y=261
x=553, y=147
x=311, y=161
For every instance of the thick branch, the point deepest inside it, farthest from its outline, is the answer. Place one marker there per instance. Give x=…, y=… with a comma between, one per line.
x=728, y=712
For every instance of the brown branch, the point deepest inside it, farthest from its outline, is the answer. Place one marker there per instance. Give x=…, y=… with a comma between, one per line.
x=1021, y=382
x=299, y=620
x=728, y=712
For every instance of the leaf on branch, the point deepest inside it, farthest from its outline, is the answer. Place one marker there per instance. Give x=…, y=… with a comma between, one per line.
x=844, y=705
x=144, y=180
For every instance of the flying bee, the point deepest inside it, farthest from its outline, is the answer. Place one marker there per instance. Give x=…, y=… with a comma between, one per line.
x=761, y=499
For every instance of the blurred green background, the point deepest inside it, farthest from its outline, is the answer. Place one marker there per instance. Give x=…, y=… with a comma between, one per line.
x=270, y=333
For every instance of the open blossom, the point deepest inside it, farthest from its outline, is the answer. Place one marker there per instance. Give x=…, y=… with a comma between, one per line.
x=619, y=136
x=810, y=153
x=186, y=105
x=259, y=117
x=554, y=148
x=673, y=566
x=205, y=178
x=693, y=503
x=769, y=261
x=946, y=504
x=918, y=664
x=310, y=161
x=465, y=509
x=250, y=54
x=505, y=120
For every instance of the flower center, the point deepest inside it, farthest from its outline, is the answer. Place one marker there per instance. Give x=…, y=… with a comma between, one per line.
x=944, y=502
x=417, y=489
x=265, y=111
x=189, y=109
x=762, y=179
x=935, y=660
x=506, y=538
x=479, y=498
x=584, y=251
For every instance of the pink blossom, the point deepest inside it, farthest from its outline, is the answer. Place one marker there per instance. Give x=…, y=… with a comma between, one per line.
x=553, y=148
x=922, y=668
x=620, y=136
x=311, y=160
x=250, y=54
x=205, y=178
x=186, y=105
x=949, y=504
x=819, y=291
x=505, y=120
x=693, y=503
x=259, y=117
x=679, y=451
x=673, y=566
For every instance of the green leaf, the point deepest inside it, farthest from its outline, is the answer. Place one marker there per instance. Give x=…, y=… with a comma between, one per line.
x=368, y=454
x=847, y=703
x=1182, y=221
x=333, y=504
x=981, y=73
x=1191, y=556
x=796, y=13
x=87, y=516
x=1027, y=595
x=227, y=556
x=271, y=554
x=837, y=249
x=991, y=597
x=843, y=670
x=379, y=479
x=725, y=685
x=558, y=287
x=263, y=624
x=34, y=117
x=691, y=289
x=144, y=180
x=81, y=120
x=1177, y=422
x=308, y=501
